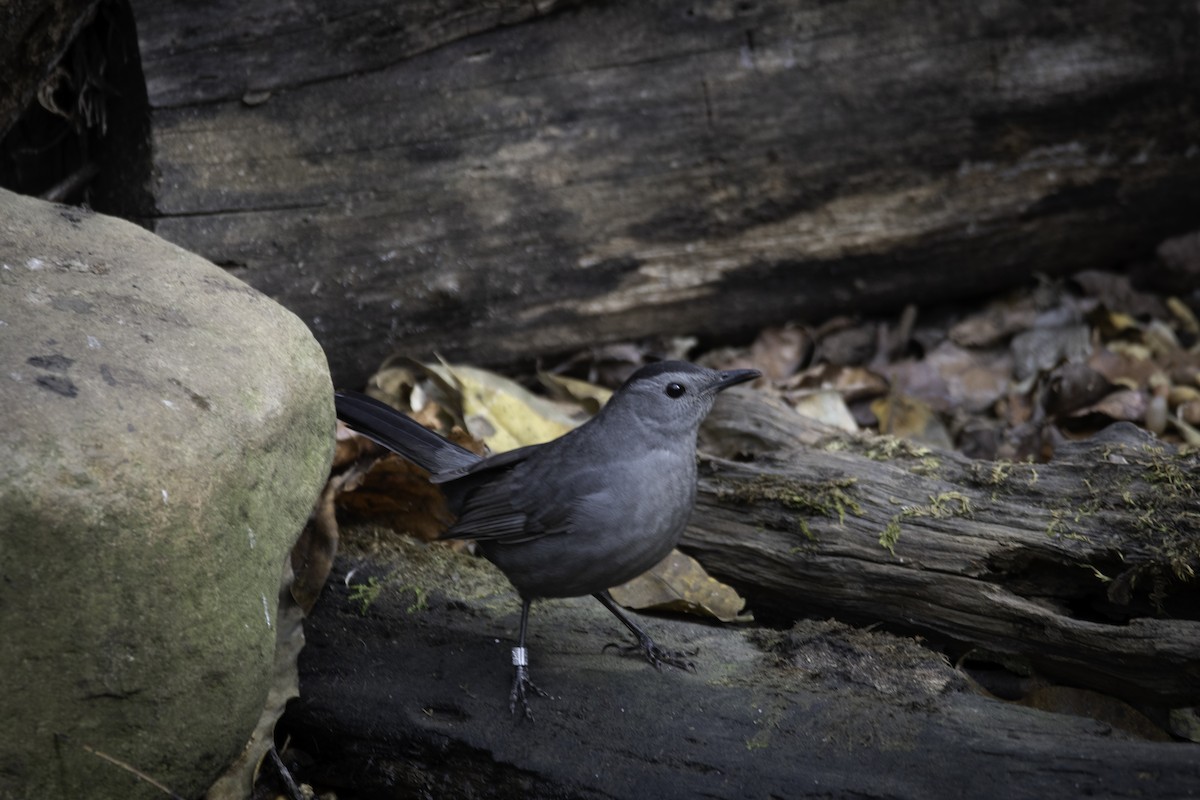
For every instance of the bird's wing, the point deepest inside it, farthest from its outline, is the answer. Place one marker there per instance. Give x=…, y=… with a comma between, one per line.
x=502, y=502
x=482, y=468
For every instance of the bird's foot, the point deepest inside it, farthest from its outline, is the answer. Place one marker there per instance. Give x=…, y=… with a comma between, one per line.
x=522, y=684
x=657, y=656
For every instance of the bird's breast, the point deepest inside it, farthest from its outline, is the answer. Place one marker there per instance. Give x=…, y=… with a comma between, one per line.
x=626, y=522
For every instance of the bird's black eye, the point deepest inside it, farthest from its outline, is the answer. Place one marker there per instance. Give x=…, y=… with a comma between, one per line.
x=675, y=389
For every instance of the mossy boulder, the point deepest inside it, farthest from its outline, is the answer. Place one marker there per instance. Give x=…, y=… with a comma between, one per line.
x=167, y=429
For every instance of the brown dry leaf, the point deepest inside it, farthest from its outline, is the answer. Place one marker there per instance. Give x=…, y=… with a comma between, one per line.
x=1015, y=408
x=349, y=447
x=846, y=342
x=779, y=352
x=1043, y=349
x=313, y=553
x=608, y=365
x=1116, y=291
x=1121, y=368
x=1032, y=441
x=974, y=379
x=912, y=419
x=994, y=325
x=398, y=493
x=678, y=583
x=853, y=383
x=824, y=405
x=1073, y=386
x=950, y=378
x=1123, y=405
x=918, y=379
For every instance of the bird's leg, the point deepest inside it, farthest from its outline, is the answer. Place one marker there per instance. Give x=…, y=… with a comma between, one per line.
x=646, y=646
x=520, y=660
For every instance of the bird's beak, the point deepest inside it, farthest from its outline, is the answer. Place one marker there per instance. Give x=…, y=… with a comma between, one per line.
x=733, y=377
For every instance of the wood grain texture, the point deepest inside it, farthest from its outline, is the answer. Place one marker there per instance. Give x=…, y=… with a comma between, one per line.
x=34, y=35
x=504, y=182
x=1083, y=568
x=410, y=698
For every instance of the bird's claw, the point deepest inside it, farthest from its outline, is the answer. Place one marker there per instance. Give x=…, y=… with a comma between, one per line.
x=657, y=656
x=521, y=684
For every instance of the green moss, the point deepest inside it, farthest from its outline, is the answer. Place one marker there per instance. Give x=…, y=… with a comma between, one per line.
x=767, y=714
x=1155, y=509
x=759, y=741
x=891, y=535
x=999, y=475
x=420, y=601
x=1165, y=470
x=889, y=448
x=950, y=504
x=927, y=466
x=364, y=594
x=946, y=504
x=807, y=532
x=831, y=498
x=367, y=592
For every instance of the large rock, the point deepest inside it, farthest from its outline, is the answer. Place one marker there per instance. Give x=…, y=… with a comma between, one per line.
x=166, y=431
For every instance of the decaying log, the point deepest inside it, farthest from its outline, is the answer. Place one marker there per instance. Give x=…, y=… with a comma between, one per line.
x=33, y=38
x=1083, y=567
x=508, y=180
x=405, y=680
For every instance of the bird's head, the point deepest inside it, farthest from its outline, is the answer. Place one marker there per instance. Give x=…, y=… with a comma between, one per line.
x=674, y=396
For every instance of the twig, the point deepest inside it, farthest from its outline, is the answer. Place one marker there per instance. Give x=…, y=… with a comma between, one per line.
x=127, y=767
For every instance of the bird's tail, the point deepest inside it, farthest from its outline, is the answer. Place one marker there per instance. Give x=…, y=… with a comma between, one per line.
x=386, y=426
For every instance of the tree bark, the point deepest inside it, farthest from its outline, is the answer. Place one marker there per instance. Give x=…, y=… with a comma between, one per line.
x=33, y=37
x=520, y=179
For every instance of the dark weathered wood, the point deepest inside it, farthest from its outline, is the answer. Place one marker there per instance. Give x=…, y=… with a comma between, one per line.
x=1083, y=567
x=409, y=697
x=34, y=34
x=404, y=686
x=431, y=177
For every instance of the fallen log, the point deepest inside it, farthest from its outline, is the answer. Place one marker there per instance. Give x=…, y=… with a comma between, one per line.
x=506, y=181
x=404, y=692
x=1083, y=568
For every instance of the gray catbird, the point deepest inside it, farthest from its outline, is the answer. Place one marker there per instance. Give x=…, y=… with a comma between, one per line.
x=583, y=513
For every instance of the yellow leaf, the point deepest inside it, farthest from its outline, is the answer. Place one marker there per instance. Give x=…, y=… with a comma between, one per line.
x=679, y=583
x=503, y=413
